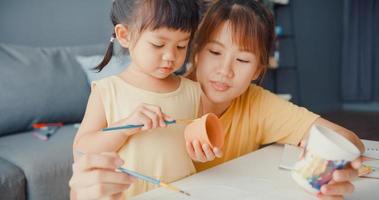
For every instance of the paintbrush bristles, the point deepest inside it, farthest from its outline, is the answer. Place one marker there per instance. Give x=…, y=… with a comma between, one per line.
x=174, y=188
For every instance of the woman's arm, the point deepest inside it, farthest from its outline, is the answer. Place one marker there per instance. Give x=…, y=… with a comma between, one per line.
x=340, y=130
x=94, y=177
x=340, y=184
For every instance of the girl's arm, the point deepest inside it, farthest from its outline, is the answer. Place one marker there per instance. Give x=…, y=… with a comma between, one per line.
x=340, y=130
x=89, y=138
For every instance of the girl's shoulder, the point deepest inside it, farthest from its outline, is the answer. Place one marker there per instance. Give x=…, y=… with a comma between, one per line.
x=105, y=79
x=188, y=83
x=106, y=83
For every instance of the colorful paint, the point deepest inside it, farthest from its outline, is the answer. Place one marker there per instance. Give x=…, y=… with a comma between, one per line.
x=316, y=170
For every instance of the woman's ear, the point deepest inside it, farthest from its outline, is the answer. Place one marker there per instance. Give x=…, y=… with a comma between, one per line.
x=123, y=35
x=257, y=73
x=195, y=58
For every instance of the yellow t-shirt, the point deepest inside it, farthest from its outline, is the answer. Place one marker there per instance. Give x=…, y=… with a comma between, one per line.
x=260, y=117
x=159, y=153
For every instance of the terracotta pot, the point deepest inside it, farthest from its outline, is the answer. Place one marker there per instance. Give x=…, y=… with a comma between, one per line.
x=207, y=130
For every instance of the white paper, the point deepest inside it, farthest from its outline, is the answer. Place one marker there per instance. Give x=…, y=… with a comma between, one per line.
x=372, y=148
x=290, y=156
x=236, y=189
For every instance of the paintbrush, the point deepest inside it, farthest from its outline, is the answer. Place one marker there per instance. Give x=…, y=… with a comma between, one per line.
x=146, y=178
x=177, y=121
x=152, y=180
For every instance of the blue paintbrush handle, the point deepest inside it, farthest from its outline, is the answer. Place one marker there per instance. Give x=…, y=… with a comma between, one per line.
x=123, y=127
x=140, y=176
x=133, y=126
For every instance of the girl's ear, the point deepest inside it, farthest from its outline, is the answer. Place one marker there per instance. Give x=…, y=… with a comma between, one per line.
x=123, y=35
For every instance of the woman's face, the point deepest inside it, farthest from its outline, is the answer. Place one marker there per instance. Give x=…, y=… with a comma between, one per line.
x=223, y=69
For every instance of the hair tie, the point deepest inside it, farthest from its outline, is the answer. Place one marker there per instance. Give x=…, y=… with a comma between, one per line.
x=112, y=38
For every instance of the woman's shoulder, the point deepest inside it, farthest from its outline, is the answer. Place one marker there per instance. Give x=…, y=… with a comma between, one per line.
x=257, y=95
x=255, y=92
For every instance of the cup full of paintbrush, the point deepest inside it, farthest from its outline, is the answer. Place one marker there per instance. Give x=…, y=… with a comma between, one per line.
x=206, y=130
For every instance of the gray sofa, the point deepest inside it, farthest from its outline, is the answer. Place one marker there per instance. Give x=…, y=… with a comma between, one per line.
x=39, y=85
x=42, y=81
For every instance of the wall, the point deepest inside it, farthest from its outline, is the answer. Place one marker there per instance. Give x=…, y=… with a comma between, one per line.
x=55, y=23
x=318, y=32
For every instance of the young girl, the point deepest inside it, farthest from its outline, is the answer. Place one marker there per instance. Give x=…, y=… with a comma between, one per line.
x=230, y=50
x=156, y=34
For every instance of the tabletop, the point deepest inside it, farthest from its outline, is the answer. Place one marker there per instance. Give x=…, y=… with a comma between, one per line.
x=254, y=176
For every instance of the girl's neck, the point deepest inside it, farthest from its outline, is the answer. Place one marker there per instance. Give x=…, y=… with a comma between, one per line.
x=207, y=106
x=145, y=81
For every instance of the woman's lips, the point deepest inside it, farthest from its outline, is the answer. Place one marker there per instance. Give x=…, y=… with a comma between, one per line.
x=220, y=86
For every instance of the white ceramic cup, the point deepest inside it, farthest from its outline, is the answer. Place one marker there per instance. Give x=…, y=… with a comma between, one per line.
x=325, y=152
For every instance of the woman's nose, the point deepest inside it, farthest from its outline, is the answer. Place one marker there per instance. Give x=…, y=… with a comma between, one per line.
x=226, y=68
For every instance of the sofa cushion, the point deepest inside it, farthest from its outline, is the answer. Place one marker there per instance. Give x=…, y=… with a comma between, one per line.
x=12, y=181
x=116, y=65
x=40, y=85
x=47, y=165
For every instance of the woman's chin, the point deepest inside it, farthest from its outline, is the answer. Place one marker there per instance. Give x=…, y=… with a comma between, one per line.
x=220, y=98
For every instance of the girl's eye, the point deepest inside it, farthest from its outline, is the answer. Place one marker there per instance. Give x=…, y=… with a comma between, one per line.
x=157, y=45
x=181, y=47
x=242, y=60
x=214, y=52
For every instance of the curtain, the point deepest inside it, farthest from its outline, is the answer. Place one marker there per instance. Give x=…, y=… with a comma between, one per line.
x=360, y=62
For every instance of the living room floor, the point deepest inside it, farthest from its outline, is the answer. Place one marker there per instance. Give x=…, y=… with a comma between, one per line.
x=364, y=124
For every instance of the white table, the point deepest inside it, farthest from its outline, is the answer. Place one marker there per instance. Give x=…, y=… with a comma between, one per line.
x=253, y=176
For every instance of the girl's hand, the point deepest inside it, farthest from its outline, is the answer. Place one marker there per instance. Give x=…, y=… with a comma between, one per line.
x=202, y=152
x=94, y=177
x=150, y=116
x=341, y=184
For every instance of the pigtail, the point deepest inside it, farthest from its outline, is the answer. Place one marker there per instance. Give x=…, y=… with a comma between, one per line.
x=108, y=55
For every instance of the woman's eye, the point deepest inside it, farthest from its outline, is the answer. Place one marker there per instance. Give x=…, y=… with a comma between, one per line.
x=157, y=45
x=214, y=52
x=242, y=60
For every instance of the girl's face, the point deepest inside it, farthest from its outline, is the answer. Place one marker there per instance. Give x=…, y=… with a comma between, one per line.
x=223, y=69
x=160, y=52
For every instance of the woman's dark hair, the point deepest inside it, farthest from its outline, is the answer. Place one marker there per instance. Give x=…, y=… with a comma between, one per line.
x=251, y=23
x=141, y=15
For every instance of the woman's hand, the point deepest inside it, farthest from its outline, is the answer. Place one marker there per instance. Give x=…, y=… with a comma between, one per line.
x=94, y=177
x=341, y=184
x=202, y=152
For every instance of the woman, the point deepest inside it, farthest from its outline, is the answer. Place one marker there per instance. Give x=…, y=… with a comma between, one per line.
x=231, y=50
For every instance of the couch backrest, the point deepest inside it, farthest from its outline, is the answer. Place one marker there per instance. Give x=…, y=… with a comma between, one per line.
x=47, y=84
x=41, y=85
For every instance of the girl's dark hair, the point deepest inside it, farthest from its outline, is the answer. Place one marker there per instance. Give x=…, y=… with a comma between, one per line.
x=251, y=23
x=141, y=15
